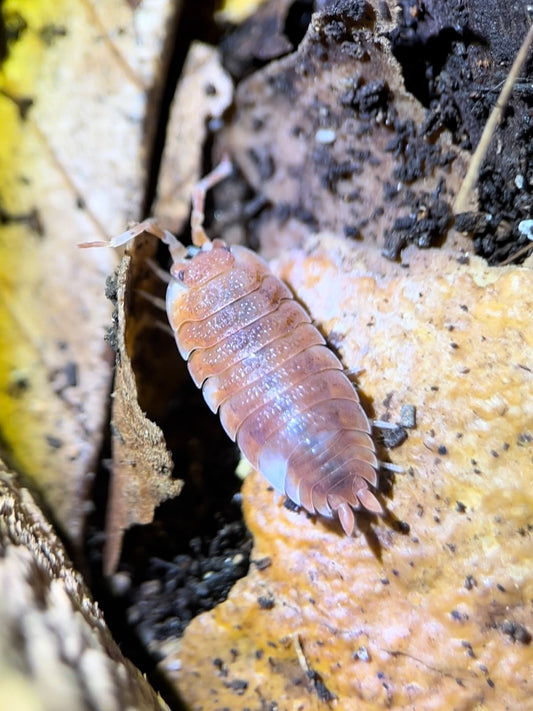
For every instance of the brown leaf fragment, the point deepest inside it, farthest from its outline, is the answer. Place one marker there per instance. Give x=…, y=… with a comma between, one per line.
x=259, y=38
x=337, y=112
x=428, y=603
x=204, y=92
x=56, y=652
x=142, y=466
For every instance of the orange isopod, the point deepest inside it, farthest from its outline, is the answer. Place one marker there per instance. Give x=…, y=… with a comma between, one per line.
x=281, y=394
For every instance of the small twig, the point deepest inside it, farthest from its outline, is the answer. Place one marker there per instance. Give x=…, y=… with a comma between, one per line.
x=461, y=201
x=321, y=690
x=222, y=170
x=302, y=661
x=523, y=250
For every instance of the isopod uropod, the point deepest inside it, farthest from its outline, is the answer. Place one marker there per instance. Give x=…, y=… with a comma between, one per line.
x=281, y=394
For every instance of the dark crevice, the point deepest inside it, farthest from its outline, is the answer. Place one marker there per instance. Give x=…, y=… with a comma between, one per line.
x=195, y=22
x=297, y=21
x=423, y=58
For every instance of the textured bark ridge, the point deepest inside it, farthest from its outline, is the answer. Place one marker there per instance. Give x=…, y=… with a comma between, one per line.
x=56, y=652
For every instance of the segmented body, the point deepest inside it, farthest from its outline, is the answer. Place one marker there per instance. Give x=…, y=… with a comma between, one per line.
x=280, y=392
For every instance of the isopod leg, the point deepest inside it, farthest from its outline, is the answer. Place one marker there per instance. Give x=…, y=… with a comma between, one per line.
x=176, y=249
x=161, y=273
x=223, y=169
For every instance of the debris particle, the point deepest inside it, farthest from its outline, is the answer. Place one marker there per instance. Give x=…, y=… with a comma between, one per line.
x=290, y=505
x=362, y=654
x=325, y=136
x=402, y=527
x=394, y=437
x=262, y=563
x=54, y=442
x=408, y=416
x=239, y=686
x=266, y=602
x=517, y=632
x=526, y=228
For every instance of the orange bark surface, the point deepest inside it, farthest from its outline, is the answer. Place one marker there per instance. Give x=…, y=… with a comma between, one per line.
x=429, y=607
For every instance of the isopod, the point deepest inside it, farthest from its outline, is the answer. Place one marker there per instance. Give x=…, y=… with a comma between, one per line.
x=281, y=394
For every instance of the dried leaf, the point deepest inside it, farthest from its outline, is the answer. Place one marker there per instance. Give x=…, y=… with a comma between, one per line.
x=142, y=465
x=73, y=110
x=336, y=111
x=429, y=607
x=260, y=38
x=204, y=92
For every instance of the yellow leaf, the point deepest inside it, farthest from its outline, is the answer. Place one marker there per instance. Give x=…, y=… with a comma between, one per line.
x=238, y=10
x=73, y=113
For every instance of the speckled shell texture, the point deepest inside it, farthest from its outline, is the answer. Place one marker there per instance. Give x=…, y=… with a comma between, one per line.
x=280, y=392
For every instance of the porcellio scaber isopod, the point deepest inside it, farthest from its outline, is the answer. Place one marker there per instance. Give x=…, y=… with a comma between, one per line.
x=281, y=394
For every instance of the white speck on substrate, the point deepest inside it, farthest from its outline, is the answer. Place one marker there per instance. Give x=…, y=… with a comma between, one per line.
x=325, y=135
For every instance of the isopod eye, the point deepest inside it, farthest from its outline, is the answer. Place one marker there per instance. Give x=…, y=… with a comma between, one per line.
x=181, y=275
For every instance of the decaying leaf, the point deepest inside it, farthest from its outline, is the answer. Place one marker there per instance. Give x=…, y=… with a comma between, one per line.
x=262, y=37
x=337, y=112
x=141, y=473
x=430, y=606
x=56, y=651
x=72, y=110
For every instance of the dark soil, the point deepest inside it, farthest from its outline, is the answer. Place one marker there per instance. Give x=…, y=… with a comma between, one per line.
x=455, y=59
